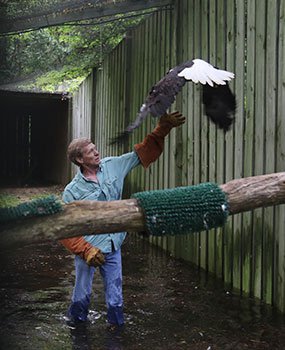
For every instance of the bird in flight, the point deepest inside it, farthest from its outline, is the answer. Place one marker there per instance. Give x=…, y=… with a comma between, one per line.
x=219, y=101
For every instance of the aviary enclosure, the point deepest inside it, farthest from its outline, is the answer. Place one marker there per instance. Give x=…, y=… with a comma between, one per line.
x=246, y=37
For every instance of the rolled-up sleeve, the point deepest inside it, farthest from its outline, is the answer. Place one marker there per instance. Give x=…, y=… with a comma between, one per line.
x=125, y=163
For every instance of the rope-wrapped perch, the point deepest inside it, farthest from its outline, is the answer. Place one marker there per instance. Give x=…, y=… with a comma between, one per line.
x=183, y=209
x=93, y=217
x=38, y=207
x=167, y=212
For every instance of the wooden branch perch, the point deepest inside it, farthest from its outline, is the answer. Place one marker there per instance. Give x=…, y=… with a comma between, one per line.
x=93, y=217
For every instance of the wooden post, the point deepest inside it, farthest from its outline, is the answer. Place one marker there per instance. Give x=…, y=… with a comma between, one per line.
x=93, y=217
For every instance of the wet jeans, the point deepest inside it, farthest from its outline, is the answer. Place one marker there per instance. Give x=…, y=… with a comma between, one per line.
x=111, y=273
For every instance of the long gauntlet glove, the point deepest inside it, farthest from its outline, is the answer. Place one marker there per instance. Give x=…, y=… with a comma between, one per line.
x=152, y=146
x=77, y=245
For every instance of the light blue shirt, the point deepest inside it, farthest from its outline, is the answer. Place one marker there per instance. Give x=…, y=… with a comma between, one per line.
x=111, y=175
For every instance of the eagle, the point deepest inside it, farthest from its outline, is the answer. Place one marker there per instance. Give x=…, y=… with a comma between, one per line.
x=218, y=99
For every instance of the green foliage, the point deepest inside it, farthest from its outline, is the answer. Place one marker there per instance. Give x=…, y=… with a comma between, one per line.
x=58, y=58
x=66, y=79
x=34, y=52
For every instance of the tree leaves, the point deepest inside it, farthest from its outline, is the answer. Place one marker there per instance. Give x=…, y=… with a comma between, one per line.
x=57, y=55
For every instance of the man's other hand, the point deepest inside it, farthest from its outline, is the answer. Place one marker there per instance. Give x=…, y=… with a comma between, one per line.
x=95, y=257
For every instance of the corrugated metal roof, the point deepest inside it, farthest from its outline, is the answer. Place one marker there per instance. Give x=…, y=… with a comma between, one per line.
x=5, y=93
x=27, y=86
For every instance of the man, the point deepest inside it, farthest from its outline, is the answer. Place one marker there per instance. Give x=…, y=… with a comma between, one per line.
x=103, y=180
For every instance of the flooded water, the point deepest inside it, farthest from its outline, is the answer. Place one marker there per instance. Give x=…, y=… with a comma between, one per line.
x=168, y=305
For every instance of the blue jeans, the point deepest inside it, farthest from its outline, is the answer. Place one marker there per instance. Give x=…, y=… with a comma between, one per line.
x=111, y=273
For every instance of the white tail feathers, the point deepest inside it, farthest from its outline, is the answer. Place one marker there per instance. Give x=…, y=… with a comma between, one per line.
x=204, y=73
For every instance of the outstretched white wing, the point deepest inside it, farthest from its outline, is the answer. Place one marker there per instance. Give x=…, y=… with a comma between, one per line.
x=203, y=72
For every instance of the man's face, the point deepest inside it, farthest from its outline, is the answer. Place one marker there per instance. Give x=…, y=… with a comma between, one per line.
x=90, y=156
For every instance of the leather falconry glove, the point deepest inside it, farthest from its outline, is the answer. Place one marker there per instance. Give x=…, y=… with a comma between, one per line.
x=77, y=245
x=174, y=119
x=169, y=121
x=95, y=257
x=152, y=146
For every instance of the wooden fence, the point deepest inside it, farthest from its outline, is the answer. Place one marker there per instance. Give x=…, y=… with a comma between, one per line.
x=246, y=37
x=81, y=112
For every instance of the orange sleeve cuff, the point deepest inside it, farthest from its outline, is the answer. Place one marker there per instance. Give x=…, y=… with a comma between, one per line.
x=77, y=246
x=151, y=148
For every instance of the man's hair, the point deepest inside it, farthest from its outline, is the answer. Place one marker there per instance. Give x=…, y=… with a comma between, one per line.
x=75, y=148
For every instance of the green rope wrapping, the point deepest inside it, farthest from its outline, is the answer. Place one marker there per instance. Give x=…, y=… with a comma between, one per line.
x=183, y=209
x=37, y=207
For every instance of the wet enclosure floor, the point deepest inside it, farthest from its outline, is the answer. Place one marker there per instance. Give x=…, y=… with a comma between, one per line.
x=168, y=305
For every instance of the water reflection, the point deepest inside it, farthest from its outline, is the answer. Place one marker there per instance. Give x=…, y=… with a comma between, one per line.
x=80, y=338
x=168, y=305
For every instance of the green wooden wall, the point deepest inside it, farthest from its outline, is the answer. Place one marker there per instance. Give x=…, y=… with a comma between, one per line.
x=246, y=37
x=80, y=115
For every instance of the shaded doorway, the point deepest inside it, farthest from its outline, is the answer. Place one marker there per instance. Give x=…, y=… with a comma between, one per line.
x=33, y=138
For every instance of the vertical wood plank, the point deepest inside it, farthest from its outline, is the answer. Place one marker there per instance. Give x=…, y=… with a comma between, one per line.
x=204, y=169
x=270, y=149
x=212, y=131
x=259, y=142
x=238, y=133
x=248, y=143
x=221, y=43
x=188, y=165
x=167, y=65
x=196, y=111
x=172, y=136
x=279, y=280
